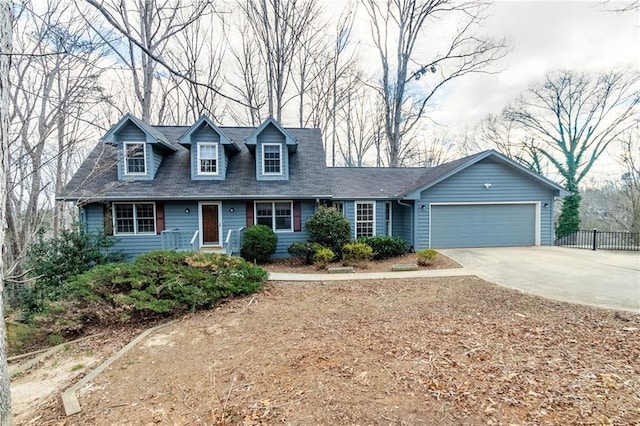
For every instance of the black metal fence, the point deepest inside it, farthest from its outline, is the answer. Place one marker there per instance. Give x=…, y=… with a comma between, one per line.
x=597, y=240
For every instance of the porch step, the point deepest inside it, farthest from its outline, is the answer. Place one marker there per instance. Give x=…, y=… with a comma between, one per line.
x=219, y=250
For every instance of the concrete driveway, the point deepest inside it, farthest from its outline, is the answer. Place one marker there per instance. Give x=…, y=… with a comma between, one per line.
x=608, y=279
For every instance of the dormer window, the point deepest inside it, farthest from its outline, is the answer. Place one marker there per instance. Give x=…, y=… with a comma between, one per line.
x=135, y=159
x=207, y=158
x=272, y=159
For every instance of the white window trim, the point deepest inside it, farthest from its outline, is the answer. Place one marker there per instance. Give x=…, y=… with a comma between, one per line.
x=135, y=220
x=355, y=217
x=126, y=159
x=273, y=214
x=215, y=145
x=281, y=160
x=200, y=228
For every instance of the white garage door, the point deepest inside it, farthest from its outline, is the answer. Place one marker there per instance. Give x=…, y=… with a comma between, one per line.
x=483, y=225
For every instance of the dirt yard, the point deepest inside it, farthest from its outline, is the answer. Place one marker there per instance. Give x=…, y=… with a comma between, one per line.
x=394, y=352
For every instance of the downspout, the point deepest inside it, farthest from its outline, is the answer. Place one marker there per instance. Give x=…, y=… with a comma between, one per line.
x=400, y=202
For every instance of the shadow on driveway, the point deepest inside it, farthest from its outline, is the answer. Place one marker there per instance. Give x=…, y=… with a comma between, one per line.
x=607, y=279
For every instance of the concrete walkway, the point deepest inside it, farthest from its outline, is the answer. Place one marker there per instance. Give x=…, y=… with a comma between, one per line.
x=283, y=276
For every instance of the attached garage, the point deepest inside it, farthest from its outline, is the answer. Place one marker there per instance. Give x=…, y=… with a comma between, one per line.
x=484, y=225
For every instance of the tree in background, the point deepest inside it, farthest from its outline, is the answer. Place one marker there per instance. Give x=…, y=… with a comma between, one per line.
x=53, y=93
x=397, y=27
x=570, y=120
x=280, y=28
x=6, y=28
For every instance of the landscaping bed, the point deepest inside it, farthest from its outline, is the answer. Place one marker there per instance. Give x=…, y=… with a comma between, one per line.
x=293, y=265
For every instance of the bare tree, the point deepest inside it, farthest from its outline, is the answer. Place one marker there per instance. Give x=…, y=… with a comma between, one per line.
x=279, y=26
x=630, y=159
x=5, y=51
x=252, y=89
x=571, y=119
x=396, y=27
x=200, y=51
x=147, y=26
x=54, y=85
x=497, y=132
x=358, y=127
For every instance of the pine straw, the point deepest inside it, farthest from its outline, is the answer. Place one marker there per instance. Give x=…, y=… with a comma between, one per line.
x=431, y=351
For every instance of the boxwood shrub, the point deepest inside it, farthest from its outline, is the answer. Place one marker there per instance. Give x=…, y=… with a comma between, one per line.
x=329, y=228
x=259, y=244
x=384, y=247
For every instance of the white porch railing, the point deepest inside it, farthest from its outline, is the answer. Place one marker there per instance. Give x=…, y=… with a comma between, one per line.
x=178, y=240
x=233, y=242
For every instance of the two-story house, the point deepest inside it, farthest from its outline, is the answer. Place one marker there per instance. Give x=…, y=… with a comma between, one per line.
x=197, y=187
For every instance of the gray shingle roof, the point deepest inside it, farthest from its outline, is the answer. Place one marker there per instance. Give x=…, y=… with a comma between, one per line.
x=97, y=177
x=309, y=177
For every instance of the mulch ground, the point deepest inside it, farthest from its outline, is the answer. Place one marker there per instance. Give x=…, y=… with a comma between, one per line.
x=297, y=266
x=452, y=350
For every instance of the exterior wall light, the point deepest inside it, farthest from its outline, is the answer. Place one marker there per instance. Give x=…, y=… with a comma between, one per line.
x=487, y=185
x=187, y=210
x=231, y=210
x=423, y=207
x=546, y=205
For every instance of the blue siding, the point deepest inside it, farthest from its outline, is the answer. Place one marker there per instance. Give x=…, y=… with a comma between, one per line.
x=207, y=135
x=156, y=161
x=177, y=219
x=131, y=133
x=507, y=184
x=402, y=220
x=272, y=135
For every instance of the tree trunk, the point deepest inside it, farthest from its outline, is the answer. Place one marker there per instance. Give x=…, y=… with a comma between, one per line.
x=5, y=49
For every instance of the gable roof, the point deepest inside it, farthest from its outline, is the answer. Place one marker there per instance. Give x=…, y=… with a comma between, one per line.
x=437, y=174
x=252, y=139
x=153, y=135
x=185, y=138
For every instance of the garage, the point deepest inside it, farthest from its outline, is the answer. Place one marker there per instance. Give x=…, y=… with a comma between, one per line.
x=483, y=225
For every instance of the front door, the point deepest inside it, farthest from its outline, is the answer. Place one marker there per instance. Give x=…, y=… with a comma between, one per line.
x=210, y=224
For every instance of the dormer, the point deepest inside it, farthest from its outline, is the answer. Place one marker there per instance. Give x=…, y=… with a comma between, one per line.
x=140, y=148
x=271, y=145
x=210, y=150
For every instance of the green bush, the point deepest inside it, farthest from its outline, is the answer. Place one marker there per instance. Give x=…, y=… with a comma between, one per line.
x=329, y=228
x=159, y=283
x=354, y=254
x=322, y=257
x=52, y=261
x=305, y=251
x=384, y=247
x=426, y=256
x=259, y=244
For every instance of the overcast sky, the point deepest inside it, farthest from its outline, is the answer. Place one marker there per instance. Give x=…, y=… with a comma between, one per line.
x=545, y=36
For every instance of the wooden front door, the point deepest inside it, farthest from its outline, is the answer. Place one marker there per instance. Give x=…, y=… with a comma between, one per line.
x=210, y=225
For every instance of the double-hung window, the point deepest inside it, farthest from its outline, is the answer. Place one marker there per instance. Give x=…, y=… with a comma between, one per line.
x=277, y=215
x=365, y=218
x=272, y=159
x=135, y=158
x=207, y=158
x=134, y=218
